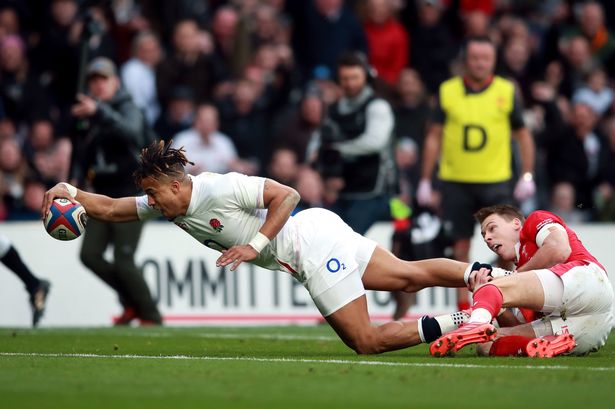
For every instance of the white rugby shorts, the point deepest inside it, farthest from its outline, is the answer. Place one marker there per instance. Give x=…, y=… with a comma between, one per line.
x=583, y=307
x=333, y=259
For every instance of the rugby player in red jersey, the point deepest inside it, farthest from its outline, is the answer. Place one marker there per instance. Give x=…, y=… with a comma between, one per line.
x=556, y=275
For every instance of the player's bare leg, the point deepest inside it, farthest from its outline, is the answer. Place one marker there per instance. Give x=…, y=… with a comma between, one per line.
x=352, y=324
x=387, y=272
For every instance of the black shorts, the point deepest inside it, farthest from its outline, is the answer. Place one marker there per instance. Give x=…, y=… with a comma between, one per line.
x=461, y=200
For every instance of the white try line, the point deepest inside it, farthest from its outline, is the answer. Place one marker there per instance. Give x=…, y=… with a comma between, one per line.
x=221, y=335
x=310, y=361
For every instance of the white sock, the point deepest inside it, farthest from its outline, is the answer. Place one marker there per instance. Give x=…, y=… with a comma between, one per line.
x=449, y=322
x=480, y=315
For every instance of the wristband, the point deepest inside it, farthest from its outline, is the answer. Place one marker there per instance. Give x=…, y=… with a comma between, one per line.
x=468, y=271
x=72, y=190
x=475, y=267
x=259, y=242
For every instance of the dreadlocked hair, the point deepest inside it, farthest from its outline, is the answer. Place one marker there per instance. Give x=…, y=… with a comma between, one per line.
x=159, y=160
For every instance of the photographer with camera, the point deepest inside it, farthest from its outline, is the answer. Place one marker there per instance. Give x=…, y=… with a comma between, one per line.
x=113, y=134
x=354, y=145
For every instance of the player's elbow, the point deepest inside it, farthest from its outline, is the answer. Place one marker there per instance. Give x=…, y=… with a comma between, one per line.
x=292, y=196
x=559, y=254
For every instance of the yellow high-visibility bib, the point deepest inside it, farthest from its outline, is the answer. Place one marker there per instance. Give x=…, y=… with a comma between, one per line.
x=476, y=134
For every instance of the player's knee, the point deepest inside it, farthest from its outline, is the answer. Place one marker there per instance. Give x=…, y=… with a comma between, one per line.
x=366, y=344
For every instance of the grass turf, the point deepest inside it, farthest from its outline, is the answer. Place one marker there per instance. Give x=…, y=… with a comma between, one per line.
x=277, y=367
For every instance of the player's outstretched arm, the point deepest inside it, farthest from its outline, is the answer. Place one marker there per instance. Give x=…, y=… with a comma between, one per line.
x=96, y=206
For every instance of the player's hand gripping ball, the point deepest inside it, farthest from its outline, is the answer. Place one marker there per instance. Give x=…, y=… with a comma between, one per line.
x=65, y=220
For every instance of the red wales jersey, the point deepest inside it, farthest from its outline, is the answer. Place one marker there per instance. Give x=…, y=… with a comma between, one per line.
x=529, y=238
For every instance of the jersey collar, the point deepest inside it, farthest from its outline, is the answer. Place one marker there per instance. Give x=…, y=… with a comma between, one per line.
x=483, y=86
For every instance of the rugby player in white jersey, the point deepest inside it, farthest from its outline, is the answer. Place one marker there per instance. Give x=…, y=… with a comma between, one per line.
x=248, y=219
x=555, y=276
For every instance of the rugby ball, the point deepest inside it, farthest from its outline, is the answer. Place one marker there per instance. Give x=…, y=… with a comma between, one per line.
x=66, y=220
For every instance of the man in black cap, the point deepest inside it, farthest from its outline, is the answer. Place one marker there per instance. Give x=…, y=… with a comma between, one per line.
x=103, y=161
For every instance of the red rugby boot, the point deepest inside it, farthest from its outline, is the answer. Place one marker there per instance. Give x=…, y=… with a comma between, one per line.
x=550, y=345
x=470, y=333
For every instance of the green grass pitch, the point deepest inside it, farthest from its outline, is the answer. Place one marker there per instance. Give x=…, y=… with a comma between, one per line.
x=277, y=367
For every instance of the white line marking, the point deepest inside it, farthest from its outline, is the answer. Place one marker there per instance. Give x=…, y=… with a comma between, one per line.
x=279, y=337
x=223, y=335
x=308, y=361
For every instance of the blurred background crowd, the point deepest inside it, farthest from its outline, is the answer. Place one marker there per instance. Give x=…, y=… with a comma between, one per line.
x=244, y=84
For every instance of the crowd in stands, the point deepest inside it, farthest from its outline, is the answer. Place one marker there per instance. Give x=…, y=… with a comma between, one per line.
x=243, y=84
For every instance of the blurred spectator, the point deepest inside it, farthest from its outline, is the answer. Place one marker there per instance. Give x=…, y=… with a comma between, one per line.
x=283, y=166
x=23, y=97
x=49, y=159
x=13, y=172
x=95, y=28
x=9, y=22
x=34, y=191
x=596, y=93
x=432, y=44
x=310, y=188
x=246, y=123
x=164, y=15
x=128, y=23
x=271, y=69
x=575, y=155
x=208, y=148
x=578, y=62
x=322, y=31
x=296, y=133
x=515, y=65
x=590, y=18
x=605, y=194
x=563, y=203
x=322, y=81
x=178, y=114
x=224, y=29
x=475, y=24
x=387, y=40
x=186, y=65
x=57, y=53
x=412, y=113
x=270, y=27
x=139, y=76
x=355, y=148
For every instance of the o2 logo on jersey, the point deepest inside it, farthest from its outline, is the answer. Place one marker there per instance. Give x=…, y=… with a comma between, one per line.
x=334, y=265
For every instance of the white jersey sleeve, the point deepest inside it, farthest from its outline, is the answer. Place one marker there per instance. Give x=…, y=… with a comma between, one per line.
x=144, y=210
x=247, y=190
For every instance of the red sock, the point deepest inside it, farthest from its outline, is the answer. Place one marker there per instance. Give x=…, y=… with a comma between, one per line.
x=512, y=345
x=463, y=305
x=490, y=298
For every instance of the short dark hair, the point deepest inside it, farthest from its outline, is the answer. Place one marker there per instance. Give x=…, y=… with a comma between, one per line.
x=159, y=160
x=508, y=212
x=475, y=39
x=352, y=59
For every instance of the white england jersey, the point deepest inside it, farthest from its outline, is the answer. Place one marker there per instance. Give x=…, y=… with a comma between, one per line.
x=228, y=210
